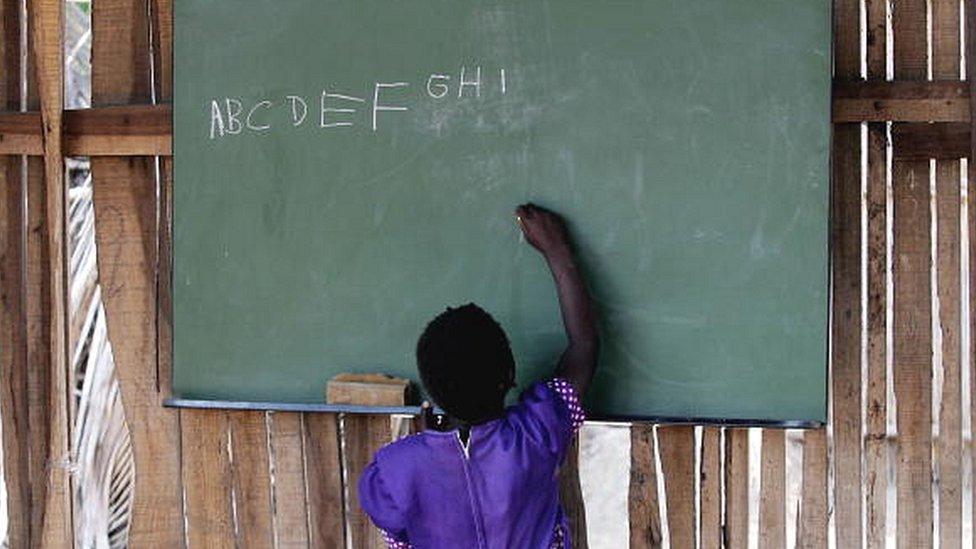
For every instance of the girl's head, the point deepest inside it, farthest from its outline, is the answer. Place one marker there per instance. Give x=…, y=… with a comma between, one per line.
x=465, y=363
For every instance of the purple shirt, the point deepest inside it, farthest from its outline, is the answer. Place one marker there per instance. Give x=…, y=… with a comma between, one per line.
x=428, y=491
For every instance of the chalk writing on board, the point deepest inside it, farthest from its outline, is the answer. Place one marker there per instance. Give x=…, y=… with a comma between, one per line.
x=338, y=109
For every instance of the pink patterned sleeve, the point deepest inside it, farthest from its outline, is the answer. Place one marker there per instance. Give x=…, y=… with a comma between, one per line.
x=394, y=543
x=567, y=393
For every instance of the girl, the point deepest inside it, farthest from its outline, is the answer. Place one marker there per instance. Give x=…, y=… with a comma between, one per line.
x=486, y=476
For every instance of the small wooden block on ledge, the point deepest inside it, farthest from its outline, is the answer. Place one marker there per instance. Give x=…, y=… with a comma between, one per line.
x=368, y=390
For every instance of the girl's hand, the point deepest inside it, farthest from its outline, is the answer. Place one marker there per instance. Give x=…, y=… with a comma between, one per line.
x=545, y=230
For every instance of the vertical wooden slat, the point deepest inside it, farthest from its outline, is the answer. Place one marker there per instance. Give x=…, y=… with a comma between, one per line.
x=912, y=264
x=711, y=488
x=811, y=527
x=207, y=480
x=913, y=353
x=127, y=238
x=571, y=496
x=38, y=347
x=364, y=435
x=323, y=474
x=970, y=48
x=772, y=499
x=162, y=49
x=14, y=395
x=46, y=30
x=876, y=12
x=876, y=444
x=950, y=419
x=945, y=66
x=645, y=518
x=251, y=478
x=736, y=488
x=846, y=346
x=13, y=354
x=677, y=447
x=37, y=309
x=290, y=514
x=846, y=284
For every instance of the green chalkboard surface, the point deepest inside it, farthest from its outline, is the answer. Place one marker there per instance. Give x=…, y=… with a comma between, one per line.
x=346, y=169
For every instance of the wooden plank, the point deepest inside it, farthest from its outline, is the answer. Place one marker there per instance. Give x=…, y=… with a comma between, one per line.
x=38, y=344
x=876, y=443
x=677, y=447
x=736, y=488
x=251, y=478
x=846, y=331
x=970, y=9
x=38, y=335
x=772, y=498
x=571, y=496
x=120, y=130
x=20, y=133
x=811, y=525
x=845, y=360
x=949, y=448
x=912, y=352
x=125, y=225
x=710, y=484
x=323, y=466
x=46, y=26
x=364, y=435
x=876, y=23
x=645, y=517
x=127, y=130
x=14, y=394
x=13, y=354
x=162, y=39
x=921, y=141
x=945, y=44
x=160, y=143
x=126, y=210
x=912, y=263
x=901, y=101
x=290, y=511
x=207, y=480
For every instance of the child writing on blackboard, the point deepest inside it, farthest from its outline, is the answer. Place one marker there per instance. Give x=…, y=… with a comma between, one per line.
x=486, y=476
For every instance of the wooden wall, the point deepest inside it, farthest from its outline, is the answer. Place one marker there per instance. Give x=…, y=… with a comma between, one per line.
x=256, y=479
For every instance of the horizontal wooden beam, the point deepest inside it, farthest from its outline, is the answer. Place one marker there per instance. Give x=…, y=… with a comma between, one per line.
x=146, y=130
x=131, y=130
x=921, y=141
x=20, y=133
x=908, y=101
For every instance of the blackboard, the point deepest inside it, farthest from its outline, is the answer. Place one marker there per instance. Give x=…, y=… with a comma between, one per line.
x=346, y=169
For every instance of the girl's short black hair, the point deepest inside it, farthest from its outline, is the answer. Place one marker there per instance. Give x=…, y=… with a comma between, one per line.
x=466, y=363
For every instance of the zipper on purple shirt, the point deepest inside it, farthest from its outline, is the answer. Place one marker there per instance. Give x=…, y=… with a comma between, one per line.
x=409, y=493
